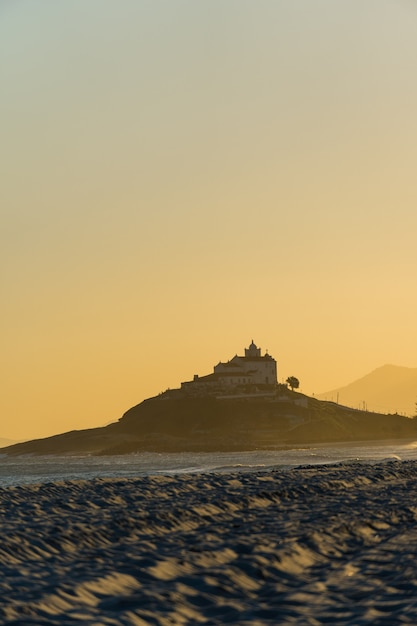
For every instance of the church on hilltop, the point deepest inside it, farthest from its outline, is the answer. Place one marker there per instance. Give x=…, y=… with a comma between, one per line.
x=252, y=369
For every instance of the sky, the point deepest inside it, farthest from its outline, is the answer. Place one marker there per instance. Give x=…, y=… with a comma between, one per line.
x=180, y=177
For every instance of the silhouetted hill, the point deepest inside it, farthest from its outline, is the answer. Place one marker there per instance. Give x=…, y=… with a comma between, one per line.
x=388, y=389
x=174, y=422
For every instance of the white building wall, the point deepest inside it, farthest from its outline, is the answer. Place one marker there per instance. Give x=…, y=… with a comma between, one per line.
x=253, y=367
x=261, y=371
x=266, y=371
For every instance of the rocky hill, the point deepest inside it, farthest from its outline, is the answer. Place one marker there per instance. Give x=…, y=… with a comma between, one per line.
x=176, y=422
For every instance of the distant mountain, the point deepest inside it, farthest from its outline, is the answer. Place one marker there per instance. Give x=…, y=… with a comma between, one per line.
x=6, y=442
x=388, y=389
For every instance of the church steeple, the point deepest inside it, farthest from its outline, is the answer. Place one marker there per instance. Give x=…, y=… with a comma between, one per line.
x=253, y=350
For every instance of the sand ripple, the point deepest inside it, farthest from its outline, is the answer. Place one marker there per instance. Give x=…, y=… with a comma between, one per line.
x=315, y=545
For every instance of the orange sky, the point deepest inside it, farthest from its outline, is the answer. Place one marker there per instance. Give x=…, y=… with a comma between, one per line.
x=180, y=177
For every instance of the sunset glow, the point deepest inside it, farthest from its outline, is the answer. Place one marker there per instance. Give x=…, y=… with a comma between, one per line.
x=180, y=177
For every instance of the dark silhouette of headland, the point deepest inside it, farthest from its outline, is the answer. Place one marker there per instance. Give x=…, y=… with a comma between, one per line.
x=240, y=406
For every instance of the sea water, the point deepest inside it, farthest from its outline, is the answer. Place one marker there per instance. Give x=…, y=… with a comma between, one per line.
x=23, y=470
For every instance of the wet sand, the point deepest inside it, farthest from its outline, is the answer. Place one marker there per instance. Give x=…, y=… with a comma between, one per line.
x=315, y=545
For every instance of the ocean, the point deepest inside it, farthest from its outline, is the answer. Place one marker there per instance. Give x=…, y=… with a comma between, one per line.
x=30, y=470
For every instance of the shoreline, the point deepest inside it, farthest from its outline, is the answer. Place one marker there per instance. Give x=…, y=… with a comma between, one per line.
x=311, y=545
x=342, y=443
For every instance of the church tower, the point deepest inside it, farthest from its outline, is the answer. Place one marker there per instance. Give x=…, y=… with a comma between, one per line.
x=252, y=351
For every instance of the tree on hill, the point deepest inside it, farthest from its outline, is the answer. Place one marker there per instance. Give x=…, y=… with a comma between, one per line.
x=293, y=382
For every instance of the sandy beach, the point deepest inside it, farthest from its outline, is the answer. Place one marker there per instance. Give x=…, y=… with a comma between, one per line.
x=313, y=545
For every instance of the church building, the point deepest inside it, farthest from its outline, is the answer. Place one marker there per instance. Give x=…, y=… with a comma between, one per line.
x=250, y=369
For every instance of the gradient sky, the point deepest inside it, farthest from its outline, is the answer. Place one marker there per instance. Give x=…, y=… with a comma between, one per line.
x=179, y=177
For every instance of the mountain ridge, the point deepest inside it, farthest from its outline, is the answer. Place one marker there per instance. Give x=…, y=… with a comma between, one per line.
x=386, y=389
x=5, y=441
